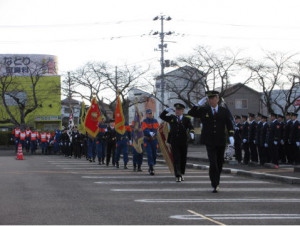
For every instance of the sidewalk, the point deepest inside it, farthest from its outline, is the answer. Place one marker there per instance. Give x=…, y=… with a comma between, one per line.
x=197, y=158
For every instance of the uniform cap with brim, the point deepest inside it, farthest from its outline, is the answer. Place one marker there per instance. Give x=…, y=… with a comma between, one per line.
x=259, y=114
x=244, y=116
x=237, y=117
x=273, y=114
x=149, y=111
x=111, y=120
x=288, y=114
x=212, y=93
x=179, y=106
x=251, y=115
x=280, y=116
x=294, y=114
x=264, y=117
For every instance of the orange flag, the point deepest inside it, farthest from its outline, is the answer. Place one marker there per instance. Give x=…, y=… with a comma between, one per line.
x=92, y=119
x=119, y=117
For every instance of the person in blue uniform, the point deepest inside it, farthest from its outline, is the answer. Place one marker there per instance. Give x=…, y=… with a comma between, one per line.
x=149, y=126
x=215, y=120
x=101, y=142
x=181, y=131
x=137, y=158
x=286, y=135
x=122, y=142
x=257, y=136
x=56, y=146
x=251, y=138
x=263, y=155
x=245, y=139
x=294, y=140
x=91, y=143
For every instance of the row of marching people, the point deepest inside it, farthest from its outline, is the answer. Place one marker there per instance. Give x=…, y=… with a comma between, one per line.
x=276, y=141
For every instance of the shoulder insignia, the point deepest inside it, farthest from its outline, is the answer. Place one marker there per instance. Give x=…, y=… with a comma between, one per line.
x=207, y=115
x=278, y=127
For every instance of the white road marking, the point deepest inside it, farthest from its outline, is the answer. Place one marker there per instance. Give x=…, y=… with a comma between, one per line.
x=174, y=182
x=210, y=189
x=143, y=177
x=217, y=200
x=238, y=216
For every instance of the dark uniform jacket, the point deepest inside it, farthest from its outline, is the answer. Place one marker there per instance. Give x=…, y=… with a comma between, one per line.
x=294, y=132
x=274, y=133
x=111, y=135
x=252, y=131
x=245, y=131
x=64, y=138
x=264, y=129
x=282, y=125
x=213, y=131
x=238, y=133
x=179, y=131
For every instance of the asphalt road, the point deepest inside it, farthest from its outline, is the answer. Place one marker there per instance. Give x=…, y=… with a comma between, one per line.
x=58, y=190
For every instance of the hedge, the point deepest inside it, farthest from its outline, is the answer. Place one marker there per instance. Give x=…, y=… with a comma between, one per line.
x=5, y=138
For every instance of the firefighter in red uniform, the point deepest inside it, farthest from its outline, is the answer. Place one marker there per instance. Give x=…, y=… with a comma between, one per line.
x=34, y=141
x=16, y=137
x=23, y=138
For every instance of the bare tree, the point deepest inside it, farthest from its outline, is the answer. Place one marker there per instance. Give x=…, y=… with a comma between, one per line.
x=104, y=81
x=277, y=76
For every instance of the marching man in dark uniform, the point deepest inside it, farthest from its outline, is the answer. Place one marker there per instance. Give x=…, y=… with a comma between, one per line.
x=245, y=139
x=181, y=129
x=251, y=138
x=294, y=139
x=214, y=119
x=238, y=138
x=257, y=135
x=274, y=137
x=282, y=155
x=263, y=155
x=286, y=135
x=111, y=142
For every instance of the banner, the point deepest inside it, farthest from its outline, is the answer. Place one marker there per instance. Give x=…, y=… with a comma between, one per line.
x=71, y=124
x=119, y=117
x=92, y=119
x=138, y=134
x=82, y=118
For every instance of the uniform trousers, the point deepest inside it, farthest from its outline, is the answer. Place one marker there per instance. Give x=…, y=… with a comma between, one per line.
x=295, y=154
x=247, y=153
x=288, y=151
x=91, y=149
x=137, y=157
x=262, y=152
x=110, y=152
x=33, y=146
x=122, y=146
x=151, y=147
x=179, y=152
x=76, y=150
x=100, y=146
x=282, y=155
x=17, y=141
x=27, y=144
x=238, y=151
x=44, y=147
x=275, y=153
x=253, y=151
x=23, y=142
x=56, y=147
x=216, y=159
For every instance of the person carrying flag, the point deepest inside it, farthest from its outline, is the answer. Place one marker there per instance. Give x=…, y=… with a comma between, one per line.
x=111, y=142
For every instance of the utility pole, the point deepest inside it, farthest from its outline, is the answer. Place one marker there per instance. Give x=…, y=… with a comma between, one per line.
x=162, y=47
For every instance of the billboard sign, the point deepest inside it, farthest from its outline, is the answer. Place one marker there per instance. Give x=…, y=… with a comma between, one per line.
x=27, y=65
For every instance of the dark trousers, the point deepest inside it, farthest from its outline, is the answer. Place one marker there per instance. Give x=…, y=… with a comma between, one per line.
x=275, y=153
x=238, y=151
x=110, y=152
x=247, y=153
x=216, y=159
x=253, y=151
x=295, y=154
x=289, y=152
x=261, y=153
x=76, y=150
x=179, y=151
x=282, y=155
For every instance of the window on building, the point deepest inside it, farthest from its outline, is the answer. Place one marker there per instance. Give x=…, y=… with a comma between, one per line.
x=241, y=104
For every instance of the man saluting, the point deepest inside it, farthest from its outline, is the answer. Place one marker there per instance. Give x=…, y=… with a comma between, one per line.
x=181, y=129
x=214, y=119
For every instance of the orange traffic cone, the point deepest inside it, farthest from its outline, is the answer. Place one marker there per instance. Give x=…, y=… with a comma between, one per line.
x=20, y=155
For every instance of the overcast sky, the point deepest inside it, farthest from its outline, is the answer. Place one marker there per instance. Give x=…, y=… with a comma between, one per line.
x=117, y=31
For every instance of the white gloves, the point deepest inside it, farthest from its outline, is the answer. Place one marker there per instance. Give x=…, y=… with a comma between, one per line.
x=11, y=138
x=152, y=134
x=254, y=142
x=169, y=109
x=75, y=136
x=298, y=143
x=275, y=142
x=105, y=130
x=282, y=142
x=244, y=140
x=69, y=144
x=231, y=139
x=192, y=136
x=237, y=128
x=130, y=142
x=266, y=145
x=81, y=145
x=202, y=101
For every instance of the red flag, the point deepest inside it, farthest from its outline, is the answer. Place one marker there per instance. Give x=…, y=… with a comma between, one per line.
x=119, y=117
x=92, y=119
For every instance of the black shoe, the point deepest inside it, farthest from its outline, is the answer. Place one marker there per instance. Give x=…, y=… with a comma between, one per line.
x=117, y=164
x=151, y=170
x=134, y=166
x=139, y=169
x=90, y=160
x=216, y=189
x=103, y=163
x=182, y=178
